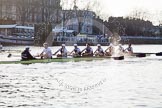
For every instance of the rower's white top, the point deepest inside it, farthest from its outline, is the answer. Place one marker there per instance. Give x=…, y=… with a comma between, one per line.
x=100, y=50
x=48, y=52
x=64, y=52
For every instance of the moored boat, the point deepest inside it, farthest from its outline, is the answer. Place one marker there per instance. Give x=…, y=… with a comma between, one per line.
x=16, y=35
x=16, y=40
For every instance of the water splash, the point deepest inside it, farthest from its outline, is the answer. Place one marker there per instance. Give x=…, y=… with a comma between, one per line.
x=115, y=40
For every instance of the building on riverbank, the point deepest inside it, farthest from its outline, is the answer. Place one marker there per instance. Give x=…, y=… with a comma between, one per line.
x=30, y=11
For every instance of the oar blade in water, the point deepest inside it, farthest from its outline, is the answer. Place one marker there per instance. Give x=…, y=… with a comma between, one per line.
x=9, y=55
x=141, y=55
x=159, y=54
x=119, y=58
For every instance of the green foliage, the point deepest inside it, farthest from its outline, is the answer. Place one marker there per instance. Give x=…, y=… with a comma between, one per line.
x=130, y=26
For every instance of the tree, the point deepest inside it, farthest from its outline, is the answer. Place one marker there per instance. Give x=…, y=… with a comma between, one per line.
x=44, y=10
x=24, y=9
x=139, y=14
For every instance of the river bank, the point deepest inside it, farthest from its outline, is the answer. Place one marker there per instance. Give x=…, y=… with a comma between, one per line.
x=94, y=40
x=141, y=40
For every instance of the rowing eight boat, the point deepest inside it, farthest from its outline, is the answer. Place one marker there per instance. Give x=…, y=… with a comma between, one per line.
x=55, y=60
x=76, y=59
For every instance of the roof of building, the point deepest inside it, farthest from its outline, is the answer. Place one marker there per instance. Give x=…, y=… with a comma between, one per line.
x=15, y=26
x=8, y=26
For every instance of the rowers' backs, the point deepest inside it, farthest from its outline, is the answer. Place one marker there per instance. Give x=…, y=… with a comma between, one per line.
x=46, y=53
x=87, y=51
x=76, y=52
x=99, y=51
x=62, y=50
x=129, y=49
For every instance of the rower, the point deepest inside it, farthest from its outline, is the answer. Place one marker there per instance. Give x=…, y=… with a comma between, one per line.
x=25, y=55
x=121, y=49
x=110, y=50
x=99, y=51
x=46, y=53
x=76, y=51
x=62, y=50
x=129, y=50
x=88, y=51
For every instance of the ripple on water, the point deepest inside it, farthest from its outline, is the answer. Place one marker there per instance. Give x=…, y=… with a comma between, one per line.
x=141, y=106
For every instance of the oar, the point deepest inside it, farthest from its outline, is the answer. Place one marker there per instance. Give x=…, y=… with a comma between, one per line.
x=159, y=54
x=144, y=54
x=139, y=54
x=68, y=54
x=10, y=55
x=118, y=58
x=11, y=50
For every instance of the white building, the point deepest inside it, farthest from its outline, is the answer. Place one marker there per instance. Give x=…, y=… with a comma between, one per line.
x=81, y=21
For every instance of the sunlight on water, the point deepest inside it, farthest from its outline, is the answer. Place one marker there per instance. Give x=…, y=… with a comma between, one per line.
x=130, y=83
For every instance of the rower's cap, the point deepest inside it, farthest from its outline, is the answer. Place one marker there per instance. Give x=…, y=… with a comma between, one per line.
x=111, y=44
x=75, y=45
x=63, y=45
x=98, y=44
x=45, y=44
x=27, y=47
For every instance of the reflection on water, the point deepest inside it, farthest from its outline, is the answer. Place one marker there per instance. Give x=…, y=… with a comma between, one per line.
x=131, y=83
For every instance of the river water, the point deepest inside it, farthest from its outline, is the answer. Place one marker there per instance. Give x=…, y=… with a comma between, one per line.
x=130, y=83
